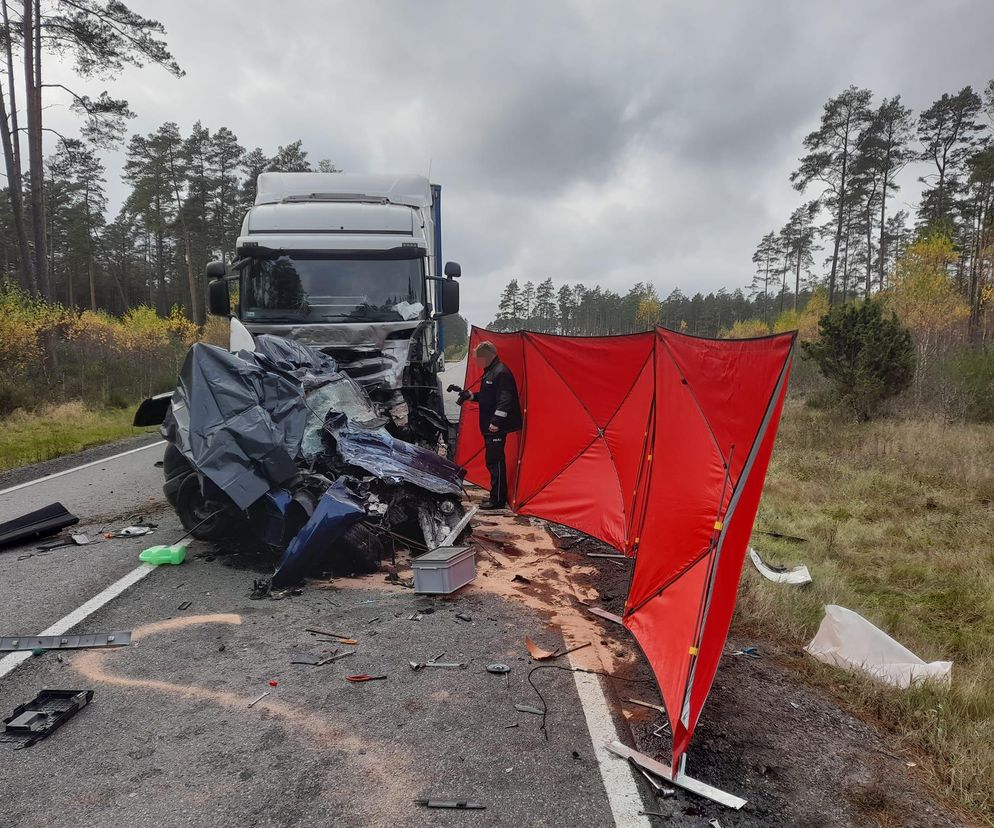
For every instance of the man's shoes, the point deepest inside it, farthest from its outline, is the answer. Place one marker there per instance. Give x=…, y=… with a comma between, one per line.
x=490, y=506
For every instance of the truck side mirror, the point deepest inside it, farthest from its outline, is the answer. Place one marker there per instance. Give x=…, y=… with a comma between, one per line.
x=448, y=295
x=218, y=297
x=452, y=270
x=216, y=270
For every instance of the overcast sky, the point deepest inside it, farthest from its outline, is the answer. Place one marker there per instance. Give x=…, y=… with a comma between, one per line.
x=602, y=142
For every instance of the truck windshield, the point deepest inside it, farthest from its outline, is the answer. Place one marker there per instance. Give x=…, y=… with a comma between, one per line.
x=332, y=290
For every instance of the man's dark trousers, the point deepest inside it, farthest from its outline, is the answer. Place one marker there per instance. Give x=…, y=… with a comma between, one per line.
x=496, y=465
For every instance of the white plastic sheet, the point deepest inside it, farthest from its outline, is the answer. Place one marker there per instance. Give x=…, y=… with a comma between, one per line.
x=798, y=575
x=848, y=640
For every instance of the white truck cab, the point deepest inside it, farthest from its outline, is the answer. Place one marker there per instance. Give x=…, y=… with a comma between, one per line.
x=350, y=264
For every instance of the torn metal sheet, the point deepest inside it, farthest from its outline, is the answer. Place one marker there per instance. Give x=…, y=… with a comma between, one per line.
x=37, y=524
x=778, y=574
x=846, y=639
x=13, y=643
x=336, y=511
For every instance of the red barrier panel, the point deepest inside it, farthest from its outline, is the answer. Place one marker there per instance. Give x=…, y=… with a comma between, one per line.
x=657, y=443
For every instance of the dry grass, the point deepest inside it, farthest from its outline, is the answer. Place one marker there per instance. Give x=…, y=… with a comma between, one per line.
x=31, y=437
x=899, y=517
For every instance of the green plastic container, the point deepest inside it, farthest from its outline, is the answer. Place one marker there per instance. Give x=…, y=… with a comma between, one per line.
x=157, y=555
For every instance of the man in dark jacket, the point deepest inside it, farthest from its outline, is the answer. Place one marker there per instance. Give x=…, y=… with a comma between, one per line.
x=500, y=414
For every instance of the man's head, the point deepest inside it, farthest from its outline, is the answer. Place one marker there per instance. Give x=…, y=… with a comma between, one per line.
x=485, y=353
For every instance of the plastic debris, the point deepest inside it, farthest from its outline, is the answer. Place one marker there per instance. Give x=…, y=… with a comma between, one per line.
x=45, y=713
x=797, y=576
x=159, y=555
x=846, y=639
x=37, y=524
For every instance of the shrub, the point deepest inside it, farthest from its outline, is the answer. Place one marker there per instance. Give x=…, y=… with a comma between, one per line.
x=746, y=329
x=867, y=356
x=971, y=375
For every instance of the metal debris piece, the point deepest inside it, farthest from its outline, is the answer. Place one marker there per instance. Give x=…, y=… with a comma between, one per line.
x=714, y=823
x=748, y=652
x=13, y=643
x=458, y=804
x=449, y=665
x=45, y=713
x=185, y=605
x=259, y=699
x=325, y=632
x=527, y=708
x=680, y=779
x=606, y=555
x=650, y=705
x=462, y=616
x=607, y=616
x=521, y=579
x=364, y=677
x=499, y=669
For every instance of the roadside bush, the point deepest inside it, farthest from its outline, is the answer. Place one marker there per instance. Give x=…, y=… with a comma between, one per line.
x=970, y=372
x=746, y=329
x=867, y=356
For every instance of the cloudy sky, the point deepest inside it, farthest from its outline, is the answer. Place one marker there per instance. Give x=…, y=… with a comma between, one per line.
x=602, y=142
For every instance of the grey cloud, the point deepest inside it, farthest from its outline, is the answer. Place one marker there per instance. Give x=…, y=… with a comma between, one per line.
x=603, y=142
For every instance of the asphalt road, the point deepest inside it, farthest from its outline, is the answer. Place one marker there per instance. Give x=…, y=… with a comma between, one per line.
x=170, y=739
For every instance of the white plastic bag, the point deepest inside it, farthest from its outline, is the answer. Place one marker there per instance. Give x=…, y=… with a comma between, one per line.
x=848, y=640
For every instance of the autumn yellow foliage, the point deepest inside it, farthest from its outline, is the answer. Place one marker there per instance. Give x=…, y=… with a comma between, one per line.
x=50, y=353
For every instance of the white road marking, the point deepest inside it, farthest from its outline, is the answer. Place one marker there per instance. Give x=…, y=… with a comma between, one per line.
x=63, y=625
x=80, y=468
x=622, y=791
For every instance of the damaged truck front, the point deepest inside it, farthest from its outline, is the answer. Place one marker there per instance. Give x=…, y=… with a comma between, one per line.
x=351, y=265
x=315, y=435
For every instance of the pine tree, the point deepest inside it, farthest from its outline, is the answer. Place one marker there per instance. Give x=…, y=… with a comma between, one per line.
x=831, y=149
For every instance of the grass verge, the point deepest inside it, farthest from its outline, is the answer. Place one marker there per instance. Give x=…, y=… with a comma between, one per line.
x=899, y=521
x=33, y=436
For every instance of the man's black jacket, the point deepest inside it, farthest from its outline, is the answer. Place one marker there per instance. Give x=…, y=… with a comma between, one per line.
x=498, y=399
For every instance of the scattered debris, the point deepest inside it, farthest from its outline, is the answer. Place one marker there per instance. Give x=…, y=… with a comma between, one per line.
x=43, y=715
x=447, y=665
x=748, y=652
x=846, y=639
x=528, y=708
x=133, y=531
x=792, y=538
x=458, y=804
x=680, y=779
x=160, y=555
x=607, y=555
x=444, y=570
x=607, y=616
x=12, y=643
x=37, y=524
x=258, y=699
x=658, y=790
x=778, y=574
x=714, y=823
x=325, y=633
x=509, y=726
x=538, y=653
x=650, y=705
x=501, y=669
x=314, y=659
x=364, y=677
x=185, y=605
x=464, y=616
x=521, y=579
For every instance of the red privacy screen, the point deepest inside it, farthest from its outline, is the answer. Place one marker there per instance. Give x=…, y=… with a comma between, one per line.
x=657, y=443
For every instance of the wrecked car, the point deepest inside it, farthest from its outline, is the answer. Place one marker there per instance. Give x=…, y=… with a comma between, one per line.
x=275, y=448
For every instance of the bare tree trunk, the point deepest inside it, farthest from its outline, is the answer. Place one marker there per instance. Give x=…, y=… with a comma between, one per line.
x=32, y=91
x=797, y=278
x=12, y=162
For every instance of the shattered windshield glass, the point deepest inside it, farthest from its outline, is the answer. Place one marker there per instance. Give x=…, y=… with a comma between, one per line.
x=302, y=290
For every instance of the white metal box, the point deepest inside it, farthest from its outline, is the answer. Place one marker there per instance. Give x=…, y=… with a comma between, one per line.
x=444, y=570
